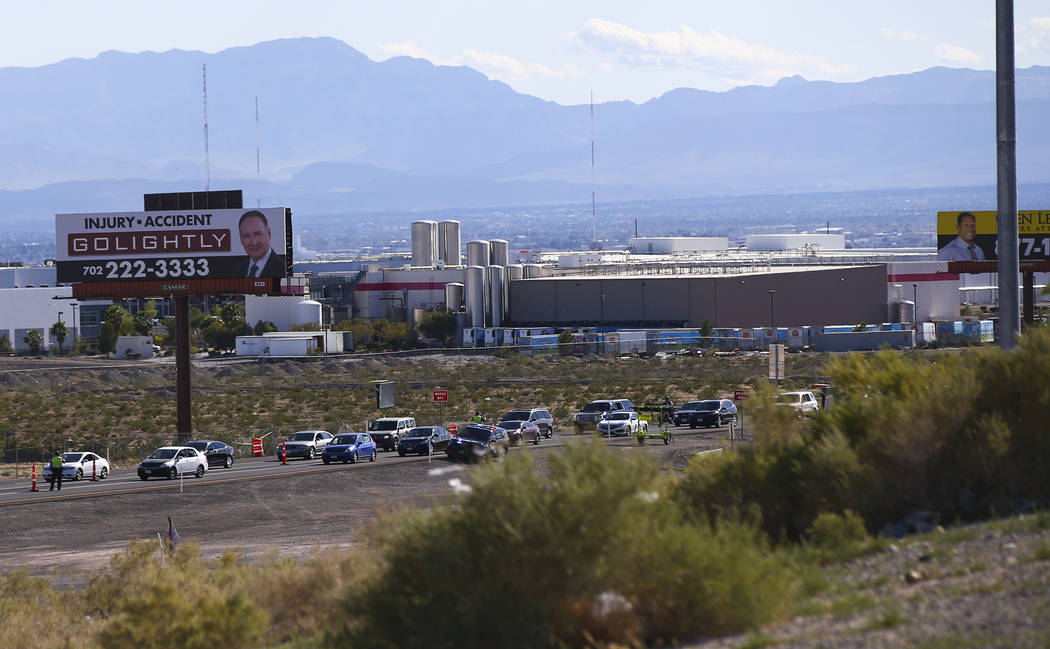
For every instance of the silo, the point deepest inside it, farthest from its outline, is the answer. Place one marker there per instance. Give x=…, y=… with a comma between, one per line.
x=514, y=271
x=453, y=297
x=498, y=251
x=495, y=277
x=424, y=243
x=308, y=312
x=449, y=243
x=478, y=253
x=532, y=270
x=475, y=295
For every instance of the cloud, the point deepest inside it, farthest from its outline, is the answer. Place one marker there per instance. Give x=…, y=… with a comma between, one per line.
x=503, y=67
x=692, y=50
x=405, y=48
x=496, y=66
x=894, y=35
x=956, y=54
x=1040, y=25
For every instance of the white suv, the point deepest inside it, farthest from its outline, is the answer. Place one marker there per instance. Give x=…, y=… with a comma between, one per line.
x=804, y=402
x=388, y=431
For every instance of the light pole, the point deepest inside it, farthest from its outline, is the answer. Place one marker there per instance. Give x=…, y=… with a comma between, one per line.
x=915, y=306
x=772, y=326
x=76, y=323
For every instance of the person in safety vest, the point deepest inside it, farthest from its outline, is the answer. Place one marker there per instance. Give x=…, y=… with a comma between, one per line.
x=477, y=418
x=56, y=471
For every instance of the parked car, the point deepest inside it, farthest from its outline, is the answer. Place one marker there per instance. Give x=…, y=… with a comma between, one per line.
x=424, y=440
x=217, y=453
x=539, y=416
x=478, y=442
x=707, y=413
x=173, y=461
x=595, y=411
x=78, y=464
x=388, y=431
x=804, y=402
x=306, y=443
x=519, y=431
x=349, y=447
x=622, y=422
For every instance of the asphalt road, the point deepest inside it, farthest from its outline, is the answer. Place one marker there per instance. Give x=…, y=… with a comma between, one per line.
x=258, y=507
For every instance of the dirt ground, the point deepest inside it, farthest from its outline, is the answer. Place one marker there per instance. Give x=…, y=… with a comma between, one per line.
x=293, y=516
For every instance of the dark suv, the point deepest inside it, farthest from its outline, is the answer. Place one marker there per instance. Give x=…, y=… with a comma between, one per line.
x=478, y=442
x=542, y=418
x=595, y=411
x=710, y=412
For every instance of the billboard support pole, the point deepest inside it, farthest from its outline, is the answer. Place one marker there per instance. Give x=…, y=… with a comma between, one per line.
x=1028, y=302
x=1006, y=173
x=183, y=423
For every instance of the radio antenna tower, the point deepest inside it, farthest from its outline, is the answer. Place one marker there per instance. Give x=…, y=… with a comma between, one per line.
x=207, y=163
x=594, y=209
x=258, y=180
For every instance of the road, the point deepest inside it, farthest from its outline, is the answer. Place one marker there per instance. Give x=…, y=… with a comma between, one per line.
x=259, y=506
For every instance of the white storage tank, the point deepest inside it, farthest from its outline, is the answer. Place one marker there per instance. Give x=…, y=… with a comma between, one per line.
x=514, y=271
x=495, y=315
x=449, y=243
x=308, y=312
x=478, y=253
x=498, y=249
x=533, y=270
x=454, y=297
x=475, y=296
x=424, y=243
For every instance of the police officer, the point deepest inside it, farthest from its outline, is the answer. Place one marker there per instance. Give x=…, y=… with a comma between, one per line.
x=477, y=418
x=56, y=471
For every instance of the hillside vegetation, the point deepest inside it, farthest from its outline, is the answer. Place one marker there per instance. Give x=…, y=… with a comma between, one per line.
x=602, y=548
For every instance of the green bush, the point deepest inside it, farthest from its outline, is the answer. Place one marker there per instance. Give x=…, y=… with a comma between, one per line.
x=961, y=434
x=591, y=553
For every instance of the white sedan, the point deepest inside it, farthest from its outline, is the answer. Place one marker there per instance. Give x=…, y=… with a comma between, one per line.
x=80, y=465
x=622, y=422
x=173, y=461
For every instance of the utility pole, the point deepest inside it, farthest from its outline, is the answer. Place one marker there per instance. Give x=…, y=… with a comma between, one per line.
x=1006, y=172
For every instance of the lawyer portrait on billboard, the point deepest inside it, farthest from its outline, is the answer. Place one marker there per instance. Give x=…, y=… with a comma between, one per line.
x=966, y=236
x=261, y=260
x=176, y=245
x=963, y=247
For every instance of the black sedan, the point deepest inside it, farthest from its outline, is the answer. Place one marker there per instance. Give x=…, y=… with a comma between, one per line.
x=479, y=442
x=217, y=453
x=711, y=412
x=424, y=440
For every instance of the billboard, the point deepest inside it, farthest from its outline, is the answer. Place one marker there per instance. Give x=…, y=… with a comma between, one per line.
x=974, y=236
x=171, y=245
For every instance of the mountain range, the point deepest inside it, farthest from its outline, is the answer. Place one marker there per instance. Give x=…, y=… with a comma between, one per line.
x=340, y=133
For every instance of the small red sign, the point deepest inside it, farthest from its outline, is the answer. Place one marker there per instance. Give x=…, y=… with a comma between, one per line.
x=440, y=395
x=739, y=395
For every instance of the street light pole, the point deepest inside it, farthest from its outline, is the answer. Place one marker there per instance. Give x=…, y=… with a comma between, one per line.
x=76, y=324
x=915, y=306
x=772, y=326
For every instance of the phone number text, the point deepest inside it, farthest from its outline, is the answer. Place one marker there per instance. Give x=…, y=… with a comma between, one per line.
x=147, y=269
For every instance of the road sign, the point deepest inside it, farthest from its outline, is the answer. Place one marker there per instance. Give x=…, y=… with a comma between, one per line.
x=440, y=395
x=739, y=395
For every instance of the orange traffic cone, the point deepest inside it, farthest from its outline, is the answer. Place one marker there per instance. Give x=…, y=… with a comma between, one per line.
x=284, y=455
x=34, y=478
x=94, y=477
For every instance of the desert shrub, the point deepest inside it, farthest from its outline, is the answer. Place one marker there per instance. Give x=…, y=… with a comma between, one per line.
x=181, y=602
x=960, y=434
x=839, y=537
x=34, y=614
x=590, y=553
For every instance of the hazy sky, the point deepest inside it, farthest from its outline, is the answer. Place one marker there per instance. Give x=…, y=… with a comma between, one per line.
x=560, y=49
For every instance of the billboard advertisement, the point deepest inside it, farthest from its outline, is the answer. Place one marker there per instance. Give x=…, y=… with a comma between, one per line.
x=171, y=245
x=973, y=236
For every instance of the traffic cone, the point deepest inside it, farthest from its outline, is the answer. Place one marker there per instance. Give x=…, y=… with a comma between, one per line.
x=94, y=477
x=284, y=455
x=34, y=478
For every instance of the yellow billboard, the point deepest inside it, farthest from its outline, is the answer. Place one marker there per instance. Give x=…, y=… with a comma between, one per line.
x=974, y=235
